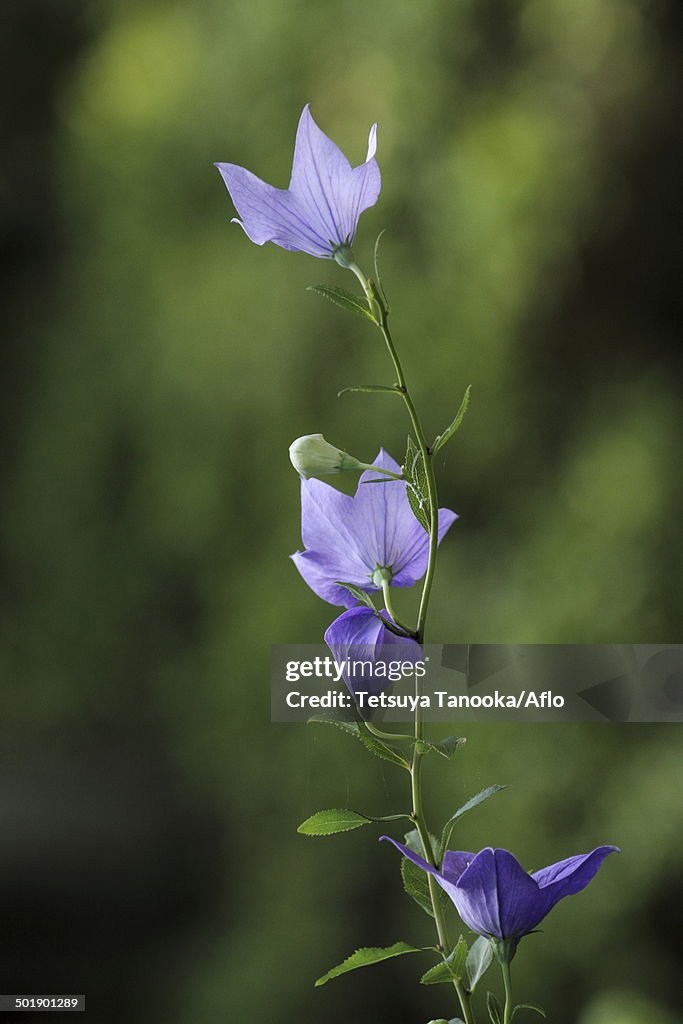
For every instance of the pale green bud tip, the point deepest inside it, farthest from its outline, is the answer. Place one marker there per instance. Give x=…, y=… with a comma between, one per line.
x=312, y=455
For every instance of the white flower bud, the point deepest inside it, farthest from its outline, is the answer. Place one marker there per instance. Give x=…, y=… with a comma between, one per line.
x=312, y=455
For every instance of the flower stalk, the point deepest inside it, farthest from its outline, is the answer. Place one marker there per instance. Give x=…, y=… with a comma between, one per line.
x=507, y=1011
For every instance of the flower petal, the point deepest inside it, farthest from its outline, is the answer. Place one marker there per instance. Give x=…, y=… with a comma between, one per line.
x=366, y=184
x=361, y=637
x=495, y=896
x=329, y=190
x=567, y=877
x=454, y=863
x=392, y=535
x=271, y=214
x=321, y=573
x=453, y=866
x=328, y=526
x=412, y=565
x=415, y=857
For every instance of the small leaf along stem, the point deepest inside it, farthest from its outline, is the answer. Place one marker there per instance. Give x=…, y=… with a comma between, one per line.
x=379, y=311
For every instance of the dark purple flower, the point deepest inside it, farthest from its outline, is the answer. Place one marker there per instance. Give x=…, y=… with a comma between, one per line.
x=495, y=896
x=320, y=210
x=349, y=539
x=361, y=637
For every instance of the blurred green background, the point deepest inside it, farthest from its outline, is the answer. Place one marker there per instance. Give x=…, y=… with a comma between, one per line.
x=154, y=368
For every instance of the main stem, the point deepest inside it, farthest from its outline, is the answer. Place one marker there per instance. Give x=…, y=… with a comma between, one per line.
x=381, y=313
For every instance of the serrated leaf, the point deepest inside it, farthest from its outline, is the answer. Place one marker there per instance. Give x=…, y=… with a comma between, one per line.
x=450, y=969
x=413, y=841
x=478, y=961
x=358, y=593
x=527, y=1006
x=438, y=975
x=494, y=1008
x=354, y=727
x=442, y=439
x=459, y=955
x=348, y=301
x=472, y=802
x=348, y=725
x=327, y=823
x=381, y=749
x=446, y=748
x=416, y=885
x=416, y=484
x=417, y=507
x=367, y=956
x=371, y=389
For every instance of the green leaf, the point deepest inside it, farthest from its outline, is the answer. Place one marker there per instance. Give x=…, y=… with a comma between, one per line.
x=415, y=881
x=416, y=885
x=442, y=439
x=413, y=841
x=472, y=802
x=378, y=279
x=459, y=955
x=418, y=508
x=367, y=956
x=446, y=748
x=346, y=724
x=353, y=303
x=360, y=595
x=442, y=1020
x=416, y=484
x=453, y=967
x=438, y=975
x=381, y=749
x=478, y=961
x=527, y=1006
x=356, y=728
x=371, y=389
x=494, y=1008
x=327, y=823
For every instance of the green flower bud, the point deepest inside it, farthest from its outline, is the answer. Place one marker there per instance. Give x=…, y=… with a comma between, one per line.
x=312, y=455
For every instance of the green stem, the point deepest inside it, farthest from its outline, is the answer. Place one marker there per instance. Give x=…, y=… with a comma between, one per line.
x=380, y=312
x=385, y=472
x=507, y=1012
x=386, y=594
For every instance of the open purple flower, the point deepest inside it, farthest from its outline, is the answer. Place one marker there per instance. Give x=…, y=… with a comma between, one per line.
x=320, y=210
x=359, y=539
x=371, y=651
x=495, y=896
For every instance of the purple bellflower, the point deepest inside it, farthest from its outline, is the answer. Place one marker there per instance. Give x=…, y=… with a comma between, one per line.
x=372, y=650
x=319, y=212
x=495, y=896
x=362, y=539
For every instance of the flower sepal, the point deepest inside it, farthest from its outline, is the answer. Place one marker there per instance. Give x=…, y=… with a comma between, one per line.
x=504, y=949
x=343, y=255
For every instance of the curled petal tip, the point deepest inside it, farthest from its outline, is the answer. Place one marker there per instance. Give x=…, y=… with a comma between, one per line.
x=372, y=143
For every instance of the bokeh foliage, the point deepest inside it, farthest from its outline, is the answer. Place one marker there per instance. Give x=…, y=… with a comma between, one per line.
x=159, y=365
